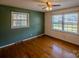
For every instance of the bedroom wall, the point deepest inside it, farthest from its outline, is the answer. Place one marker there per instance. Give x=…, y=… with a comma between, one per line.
x=69, y=37
x=8, y=35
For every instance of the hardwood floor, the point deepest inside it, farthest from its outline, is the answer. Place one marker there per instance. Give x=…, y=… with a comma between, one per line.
x=41, y=47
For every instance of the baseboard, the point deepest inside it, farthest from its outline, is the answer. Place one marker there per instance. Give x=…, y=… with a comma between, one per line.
x=33, y=37
x=21, y=40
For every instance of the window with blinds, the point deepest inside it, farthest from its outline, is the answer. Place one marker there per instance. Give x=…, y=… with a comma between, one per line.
x=19, y=20
x=70, y=22
x=57, y=22
x=66, y=22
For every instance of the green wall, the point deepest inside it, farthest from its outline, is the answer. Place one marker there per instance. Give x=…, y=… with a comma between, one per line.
x=8, y=35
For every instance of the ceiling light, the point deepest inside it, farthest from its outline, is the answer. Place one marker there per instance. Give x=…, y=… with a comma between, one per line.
x=48, y=8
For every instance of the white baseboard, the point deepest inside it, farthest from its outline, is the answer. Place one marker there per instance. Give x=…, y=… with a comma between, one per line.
x=21, y=40
x=33, y=37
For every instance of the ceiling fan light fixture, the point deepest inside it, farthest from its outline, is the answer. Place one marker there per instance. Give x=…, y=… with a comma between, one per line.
x=48, y=8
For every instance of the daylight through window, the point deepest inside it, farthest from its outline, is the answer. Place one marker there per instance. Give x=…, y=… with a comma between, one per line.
x=19, y=20
x=66, y=22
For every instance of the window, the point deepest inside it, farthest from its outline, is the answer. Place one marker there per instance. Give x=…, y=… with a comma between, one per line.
x=19, y=20
x=66, y=22
x=57, y=22
x=70, y=22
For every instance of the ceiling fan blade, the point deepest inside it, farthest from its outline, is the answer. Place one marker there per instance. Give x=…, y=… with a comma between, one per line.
x=56, y=5
x=41, y=5
x=42, y=1
x=44, y=8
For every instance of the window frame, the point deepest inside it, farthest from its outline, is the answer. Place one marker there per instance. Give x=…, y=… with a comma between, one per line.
x=63, y=23
x=18, y=27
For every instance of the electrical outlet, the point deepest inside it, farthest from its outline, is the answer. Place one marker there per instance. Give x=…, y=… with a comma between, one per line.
x=31, y=34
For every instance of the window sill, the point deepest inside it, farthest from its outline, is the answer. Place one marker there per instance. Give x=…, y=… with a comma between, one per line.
x=15, y=27
x=66, y=32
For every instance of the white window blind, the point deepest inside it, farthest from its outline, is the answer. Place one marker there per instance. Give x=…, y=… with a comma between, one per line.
x=66, y=22
x=70, y=22
x=57, y=22
x=19, y=20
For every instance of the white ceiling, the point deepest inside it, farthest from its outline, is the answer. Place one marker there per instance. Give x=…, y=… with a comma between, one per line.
x=33, y=5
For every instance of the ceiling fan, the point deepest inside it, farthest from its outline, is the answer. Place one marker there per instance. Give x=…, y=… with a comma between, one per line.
x=49, y=4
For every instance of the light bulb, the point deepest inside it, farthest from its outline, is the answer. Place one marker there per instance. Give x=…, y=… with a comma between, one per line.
x=49, y=8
